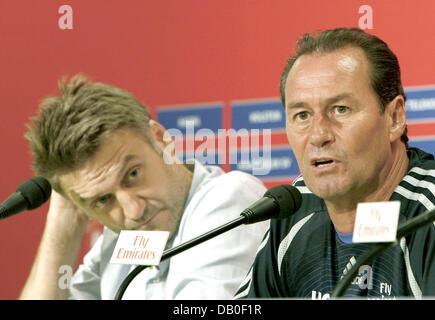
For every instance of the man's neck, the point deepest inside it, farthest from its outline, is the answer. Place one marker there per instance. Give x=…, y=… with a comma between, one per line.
x=343, y=211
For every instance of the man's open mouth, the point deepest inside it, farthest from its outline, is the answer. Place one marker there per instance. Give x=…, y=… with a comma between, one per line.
x=322, y=162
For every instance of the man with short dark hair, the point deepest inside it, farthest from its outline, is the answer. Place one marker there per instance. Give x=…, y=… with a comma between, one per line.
x=346, y=124
x=107, y=160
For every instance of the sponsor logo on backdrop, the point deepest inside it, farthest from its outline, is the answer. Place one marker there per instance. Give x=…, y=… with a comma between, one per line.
x=420, y=104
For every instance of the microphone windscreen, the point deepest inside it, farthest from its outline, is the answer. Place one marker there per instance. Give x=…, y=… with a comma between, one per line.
x=288, y=198
x=36, y=191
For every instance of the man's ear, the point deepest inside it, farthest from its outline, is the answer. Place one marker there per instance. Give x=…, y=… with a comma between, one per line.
x=159, y=135
x=397, y=117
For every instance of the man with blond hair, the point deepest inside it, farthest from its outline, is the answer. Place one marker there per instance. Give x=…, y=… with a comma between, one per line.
x=107, y=160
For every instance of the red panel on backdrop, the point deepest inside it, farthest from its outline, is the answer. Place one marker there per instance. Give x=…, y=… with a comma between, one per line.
x=168, y=53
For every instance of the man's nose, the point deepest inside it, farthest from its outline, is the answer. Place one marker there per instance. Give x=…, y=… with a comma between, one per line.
x=132, y=205
x=321, y=133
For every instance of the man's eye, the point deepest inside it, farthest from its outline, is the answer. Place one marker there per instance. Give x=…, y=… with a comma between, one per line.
x=102, y=201
x=301, y=116
x=134, y=174
x=341, y=109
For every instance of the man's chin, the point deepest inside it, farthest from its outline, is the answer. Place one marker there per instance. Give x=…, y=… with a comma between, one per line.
x=329, y=192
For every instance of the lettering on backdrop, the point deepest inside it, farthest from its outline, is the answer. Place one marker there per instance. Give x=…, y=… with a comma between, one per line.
x=366, y=20
x=66, y=20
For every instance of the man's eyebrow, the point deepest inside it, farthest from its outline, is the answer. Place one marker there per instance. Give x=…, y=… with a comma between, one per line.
x=329, y=101
x=294, y=105
x=339, y=98
x=125, y=164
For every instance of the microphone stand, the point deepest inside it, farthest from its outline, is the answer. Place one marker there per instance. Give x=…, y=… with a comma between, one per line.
x=178, y=249
x=403, y=230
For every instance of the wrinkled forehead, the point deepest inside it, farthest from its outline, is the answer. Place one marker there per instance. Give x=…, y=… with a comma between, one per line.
x=90, y=179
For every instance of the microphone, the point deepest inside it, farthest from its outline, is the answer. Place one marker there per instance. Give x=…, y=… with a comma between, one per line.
x=278, y=202
x=406, y=228
x=29, y=195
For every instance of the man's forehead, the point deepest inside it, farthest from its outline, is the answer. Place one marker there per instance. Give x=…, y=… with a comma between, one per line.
x=348, y=63
x=345, y=60
x=90, y=181
x=80, y=186
x=327, y=70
